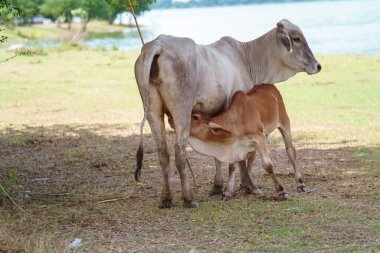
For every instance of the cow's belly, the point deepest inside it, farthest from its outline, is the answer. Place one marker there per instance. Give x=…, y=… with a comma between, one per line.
x=218, y=78
x=212, y=103
x=214, y=96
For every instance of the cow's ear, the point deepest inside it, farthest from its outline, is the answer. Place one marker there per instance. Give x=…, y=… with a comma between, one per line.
x=217, y=129
x=284, y=37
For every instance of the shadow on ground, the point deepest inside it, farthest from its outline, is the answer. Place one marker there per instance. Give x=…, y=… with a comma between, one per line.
x=78, y=181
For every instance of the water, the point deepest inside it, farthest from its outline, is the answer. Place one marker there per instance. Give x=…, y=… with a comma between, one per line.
x=331, y=27
x=127, y=40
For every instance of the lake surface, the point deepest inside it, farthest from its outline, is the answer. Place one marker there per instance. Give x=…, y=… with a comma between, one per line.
x=331, y=27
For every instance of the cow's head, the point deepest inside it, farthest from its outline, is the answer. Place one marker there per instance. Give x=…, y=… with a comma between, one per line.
x=295, y=51
x=202, y=127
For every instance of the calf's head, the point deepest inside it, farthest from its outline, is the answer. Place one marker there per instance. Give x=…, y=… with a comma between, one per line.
x=202, y=127
x=295, y=52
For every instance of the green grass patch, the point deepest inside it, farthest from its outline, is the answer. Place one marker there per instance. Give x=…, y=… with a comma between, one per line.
x=72, y=116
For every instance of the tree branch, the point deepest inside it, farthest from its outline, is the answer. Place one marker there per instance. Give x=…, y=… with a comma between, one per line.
x=11, y=199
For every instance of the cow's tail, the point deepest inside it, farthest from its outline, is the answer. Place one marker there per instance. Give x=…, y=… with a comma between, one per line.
x=140, y=150
x=142, y=74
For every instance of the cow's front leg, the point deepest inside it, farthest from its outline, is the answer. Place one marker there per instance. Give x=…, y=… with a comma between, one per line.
x=246, y=182
x=217, y=187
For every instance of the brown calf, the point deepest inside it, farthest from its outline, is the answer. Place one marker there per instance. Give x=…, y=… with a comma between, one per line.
x=235, y=134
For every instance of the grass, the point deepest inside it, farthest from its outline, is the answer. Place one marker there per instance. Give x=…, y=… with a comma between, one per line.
x=340, y=103
x=22, y=34
x=69, y=124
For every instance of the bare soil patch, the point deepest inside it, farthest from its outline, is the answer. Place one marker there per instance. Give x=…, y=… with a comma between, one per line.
x=78, y=182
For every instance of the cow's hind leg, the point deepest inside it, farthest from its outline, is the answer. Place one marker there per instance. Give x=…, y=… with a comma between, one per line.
x=217, y=187
x=291, y=151
x=268, y=166
x=181, y=120
x=155, y=116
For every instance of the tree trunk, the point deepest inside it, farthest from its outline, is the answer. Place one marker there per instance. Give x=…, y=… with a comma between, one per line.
x=27, y=21
x=110, y=20
x=84, y=27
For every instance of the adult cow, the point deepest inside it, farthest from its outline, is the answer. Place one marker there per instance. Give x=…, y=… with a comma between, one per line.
x=176, y=75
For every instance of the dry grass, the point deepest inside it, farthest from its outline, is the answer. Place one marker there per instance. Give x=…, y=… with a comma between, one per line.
x=69, y=133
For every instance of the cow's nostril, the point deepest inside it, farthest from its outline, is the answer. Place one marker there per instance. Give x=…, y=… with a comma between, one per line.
x=319, y=67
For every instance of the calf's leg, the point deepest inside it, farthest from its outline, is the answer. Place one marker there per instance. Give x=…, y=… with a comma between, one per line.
x=250, y=159
x=291, y=151
x=249, y=164
x=227, y=193
x=268, y=166
x=246, y=182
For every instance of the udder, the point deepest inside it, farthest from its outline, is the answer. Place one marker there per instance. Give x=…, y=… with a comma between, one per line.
x=211, y=105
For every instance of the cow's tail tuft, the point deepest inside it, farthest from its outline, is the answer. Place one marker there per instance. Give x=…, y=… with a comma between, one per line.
x=140, y=150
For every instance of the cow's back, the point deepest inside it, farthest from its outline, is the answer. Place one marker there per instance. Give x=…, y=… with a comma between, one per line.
x=204, y=75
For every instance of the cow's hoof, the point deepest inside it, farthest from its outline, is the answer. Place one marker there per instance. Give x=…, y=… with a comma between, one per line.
x=167, y=203
x=283, y=196
x=302, y=188
x=190, y=204
x=226, y=197
x=251, y=190
x=216, y=190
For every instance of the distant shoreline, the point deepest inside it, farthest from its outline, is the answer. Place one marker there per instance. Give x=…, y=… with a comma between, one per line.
x=183, y=4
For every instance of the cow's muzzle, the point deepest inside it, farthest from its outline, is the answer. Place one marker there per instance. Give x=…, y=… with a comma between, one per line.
x=314, y=68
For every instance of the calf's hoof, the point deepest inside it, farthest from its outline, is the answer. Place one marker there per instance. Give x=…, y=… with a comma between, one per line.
x=216, y=190
x=190, y=204
x=166, y=203
x=283, y=196
x=257, y=192
x=302, y=188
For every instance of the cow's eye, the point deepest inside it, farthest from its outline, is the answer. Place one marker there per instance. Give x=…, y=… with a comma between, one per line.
x=297, y=40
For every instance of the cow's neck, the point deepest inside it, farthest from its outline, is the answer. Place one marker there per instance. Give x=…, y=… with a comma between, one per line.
x=263, y=62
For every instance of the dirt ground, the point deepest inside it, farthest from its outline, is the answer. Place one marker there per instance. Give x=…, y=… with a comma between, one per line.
x=78, y=182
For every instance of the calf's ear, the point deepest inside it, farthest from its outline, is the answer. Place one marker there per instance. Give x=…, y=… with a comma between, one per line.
x=284, y=37
x=196, y=116
x=217, y=129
